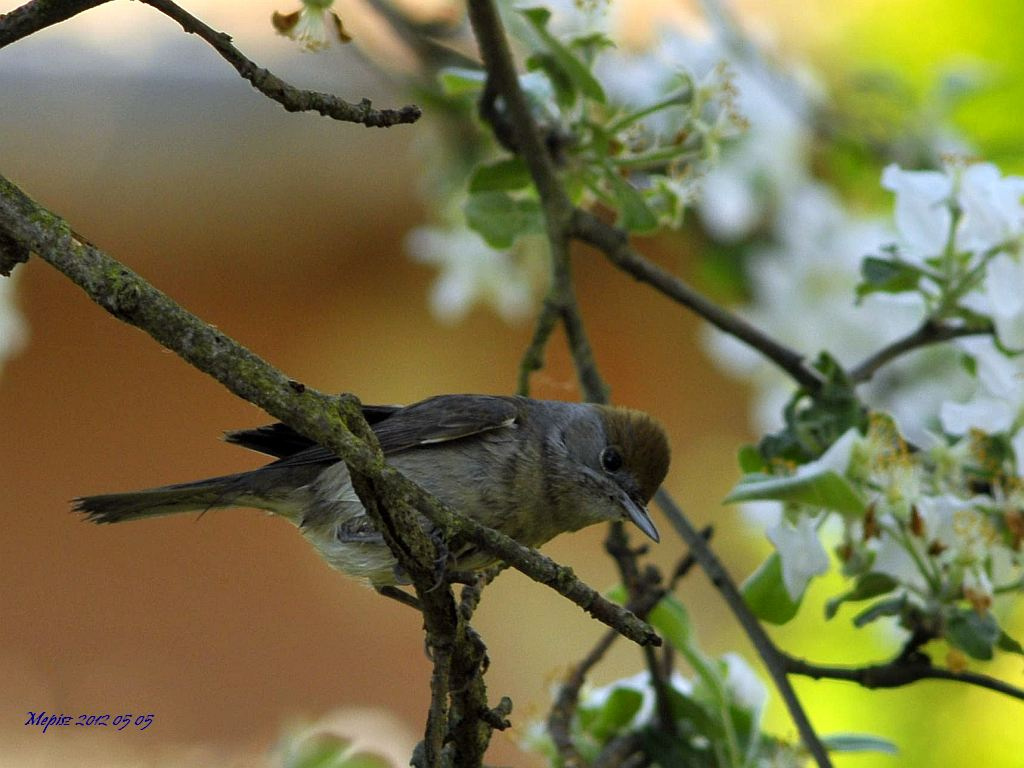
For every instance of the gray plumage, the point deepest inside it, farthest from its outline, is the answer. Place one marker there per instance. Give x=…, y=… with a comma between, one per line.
x=529, y=468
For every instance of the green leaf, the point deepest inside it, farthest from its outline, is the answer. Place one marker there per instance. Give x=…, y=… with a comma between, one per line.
x=973, y=634
x=1008, y=644
x=365, y=760
x=671, y=618
x=885, y=276
x=574, y=69
x=892, y=607
x=500, y=218
x=507, y=174
x=688, y=709
x=750, y=460
x=616, y=713
x=867, y=586
x=826, y=488
x=565, y=88
x=634, y=213
x=766, y=594
x=858, y=742
x=665, y=750
x=458, y=81
x=322, y=750
x=815, y=423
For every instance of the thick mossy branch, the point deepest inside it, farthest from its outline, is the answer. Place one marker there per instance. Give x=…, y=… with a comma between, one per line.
x=317, y=416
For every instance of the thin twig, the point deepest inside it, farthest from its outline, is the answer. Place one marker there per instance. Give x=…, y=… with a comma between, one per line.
x=929, y=332
x=533, y=357
x=567, y=699
x=625, y=751
x=595, y=390
x=614, y=244
x=38, y=14
x=896, y=674
x=35, y=15
x=503, y=81
x=564, y=220
x=291, y=98
x=645, y=587
x=770, y=654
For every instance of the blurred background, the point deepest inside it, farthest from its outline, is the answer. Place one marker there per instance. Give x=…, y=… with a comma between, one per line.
x=287, y=232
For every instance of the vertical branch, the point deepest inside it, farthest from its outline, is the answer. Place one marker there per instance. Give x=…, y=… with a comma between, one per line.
x=533, y=358
x=644, y=588
x=593, y=385
x=525, y=138
x=563, y=222
x=770, y=655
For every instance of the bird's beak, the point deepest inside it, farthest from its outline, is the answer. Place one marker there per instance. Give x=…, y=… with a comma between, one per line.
x=641, y=517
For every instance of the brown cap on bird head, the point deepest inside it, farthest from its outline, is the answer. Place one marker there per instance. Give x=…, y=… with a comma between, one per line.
x=643, y=447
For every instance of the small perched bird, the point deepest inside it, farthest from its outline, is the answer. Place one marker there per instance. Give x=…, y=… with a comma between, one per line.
x=529, y=468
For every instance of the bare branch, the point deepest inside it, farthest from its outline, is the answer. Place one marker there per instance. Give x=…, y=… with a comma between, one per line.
x=929, y=332
x=770, y=654
x=291, y=98
x=614, y=244
x=502, y=79
x=564, y=221
x=533, y=357
x=38, y=14
x=566, y=701
x=896, y=674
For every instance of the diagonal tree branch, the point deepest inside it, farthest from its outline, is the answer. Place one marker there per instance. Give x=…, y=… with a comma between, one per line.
x=130, y=298
x=565, y=221
x=896, y=674
x=39, y=14
x=931, y=331
x=35, y=15
x=770, y=654
x=614, y=244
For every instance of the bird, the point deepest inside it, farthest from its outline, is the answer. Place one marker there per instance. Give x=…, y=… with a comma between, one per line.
x=531, y=469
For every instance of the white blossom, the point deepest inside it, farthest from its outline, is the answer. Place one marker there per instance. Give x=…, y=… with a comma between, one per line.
x=472, y=272
x=641, y=683
x=923, y=215
x=997, y=404
x=1001, y=297
x=801, y=551
x=314, y=25
x=746, y=688
x=991, y=205
x=13, y=330
x=893, y=559
x=803, y=295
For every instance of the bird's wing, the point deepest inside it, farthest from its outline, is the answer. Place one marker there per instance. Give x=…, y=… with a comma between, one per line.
x=444, y=418
x=282, y=441
x=435, y=420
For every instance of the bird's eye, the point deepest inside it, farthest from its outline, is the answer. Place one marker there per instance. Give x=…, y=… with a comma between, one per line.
x=611, y=459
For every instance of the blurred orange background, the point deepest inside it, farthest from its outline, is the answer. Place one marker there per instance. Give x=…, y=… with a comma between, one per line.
x=285, y=231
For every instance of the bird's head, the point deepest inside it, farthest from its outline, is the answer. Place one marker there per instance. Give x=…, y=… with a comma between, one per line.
x=620, y=457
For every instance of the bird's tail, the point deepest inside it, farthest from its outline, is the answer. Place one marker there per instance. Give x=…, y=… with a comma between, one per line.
x=199, y=496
